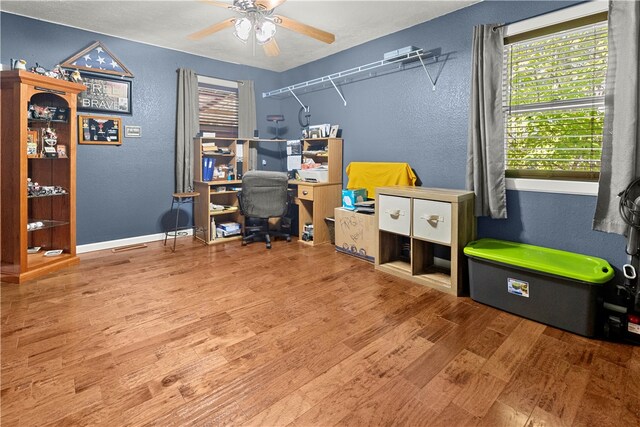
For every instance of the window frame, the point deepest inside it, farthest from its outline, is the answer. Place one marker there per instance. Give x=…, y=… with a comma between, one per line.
x=206, y=80
x=549, y=23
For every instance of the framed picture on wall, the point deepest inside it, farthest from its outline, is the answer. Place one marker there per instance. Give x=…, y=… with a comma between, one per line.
x=105, y=95
x=99, y=130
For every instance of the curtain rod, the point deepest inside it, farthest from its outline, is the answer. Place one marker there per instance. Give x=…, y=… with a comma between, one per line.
x=530, y=17
x=240, y=82
x=546, y=13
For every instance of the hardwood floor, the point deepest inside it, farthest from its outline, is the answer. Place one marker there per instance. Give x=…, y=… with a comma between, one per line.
x=295, y=335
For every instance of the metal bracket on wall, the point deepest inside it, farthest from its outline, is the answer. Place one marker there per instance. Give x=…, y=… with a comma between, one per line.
x=432, y=80
x=400, y=60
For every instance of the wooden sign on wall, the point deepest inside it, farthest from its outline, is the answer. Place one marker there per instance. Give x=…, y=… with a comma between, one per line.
x=105, y=95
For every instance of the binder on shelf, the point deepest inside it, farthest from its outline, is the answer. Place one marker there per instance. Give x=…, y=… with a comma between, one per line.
x=208, y=164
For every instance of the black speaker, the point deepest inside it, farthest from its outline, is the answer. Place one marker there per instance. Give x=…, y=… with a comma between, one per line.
x=255, y=133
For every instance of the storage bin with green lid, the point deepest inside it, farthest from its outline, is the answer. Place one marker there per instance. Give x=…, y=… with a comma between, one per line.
x=551, y=286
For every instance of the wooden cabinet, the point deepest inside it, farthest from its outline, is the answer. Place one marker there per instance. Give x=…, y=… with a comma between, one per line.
x=44, y=216
x=416, y=225
x=315, y=201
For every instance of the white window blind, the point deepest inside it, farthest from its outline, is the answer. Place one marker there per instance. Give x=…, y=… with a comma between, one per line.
x=218, y=109
x=553, y=98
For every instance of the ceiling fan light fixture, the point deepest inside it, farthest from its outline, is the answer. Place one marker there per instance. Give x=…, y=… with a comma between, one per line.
x=243, y=29
x=265, y=30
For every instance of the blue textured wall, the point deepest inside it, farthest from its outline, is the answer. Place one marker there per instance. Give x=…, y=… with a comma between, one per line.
x=397, y=117
x=125, y=191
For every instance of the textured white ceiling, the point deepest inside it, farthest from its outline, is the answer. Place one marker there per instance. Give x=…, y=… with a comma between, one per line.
x=167, y=24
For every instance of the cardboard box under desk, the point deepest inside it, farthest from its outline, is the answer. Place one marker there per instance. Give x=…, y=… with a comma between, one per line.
x=355, y=234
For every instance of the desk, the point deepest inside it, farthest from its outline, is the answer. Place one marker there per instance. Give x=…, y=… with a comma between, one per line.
x=316, y=201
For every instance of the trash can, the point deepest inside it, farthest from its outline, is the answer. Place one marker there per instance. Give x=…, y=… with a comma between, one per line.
x=550, y=286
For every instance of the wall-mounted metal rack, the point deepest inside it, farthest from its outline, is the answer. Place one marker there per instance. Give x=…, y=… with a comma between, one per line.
x=400, y=60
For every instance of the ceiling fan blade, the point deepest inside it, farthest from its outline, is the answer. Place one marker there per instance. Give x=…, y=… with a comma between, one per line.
x=269, y=4
x=212, y=29
x=271, y=48
x=217, y=3
x=307, y=30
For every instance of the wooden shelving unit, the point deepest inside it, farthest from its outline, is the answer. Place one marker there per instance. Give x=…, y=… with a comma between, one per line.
x=206, y=219
x=414, y=223
x=56, y=212
x=224, y=162
x=316, y=201
x=326, y=151
x=221, y=190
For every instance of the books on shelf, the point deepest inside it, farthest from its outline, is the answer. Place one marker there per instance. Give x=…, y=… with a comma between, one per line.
x=208, y=134
x=366, y=206
x=209, y=146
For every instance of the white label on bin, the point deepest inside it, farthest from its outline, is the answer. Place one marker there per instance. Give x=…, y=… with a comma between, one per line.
x=518, y=287
x=633, y=328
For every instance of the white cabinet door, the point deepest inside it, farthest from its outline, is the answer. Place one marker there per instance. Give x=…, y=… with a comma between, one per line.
x=432, y=220
x=395, y=214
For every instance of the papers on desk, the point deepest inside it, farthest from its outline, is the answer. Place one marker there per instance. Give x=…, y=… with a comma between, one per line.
x=294, y=159
x=294, y=162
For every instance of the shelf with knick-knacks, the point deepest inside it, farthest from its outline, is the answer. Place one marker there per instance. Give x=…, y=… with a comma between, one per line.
x=38, y=174
x=43, y=143
x=215, y=159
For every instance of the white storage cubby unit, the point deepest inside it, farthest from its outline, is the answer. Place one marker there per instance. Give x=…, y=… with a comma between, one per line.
x=413, y=222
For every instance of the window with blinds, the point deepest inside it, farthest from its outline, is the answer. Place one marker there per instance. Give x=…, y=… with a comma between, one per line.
x=553, y=98
x=218, y=110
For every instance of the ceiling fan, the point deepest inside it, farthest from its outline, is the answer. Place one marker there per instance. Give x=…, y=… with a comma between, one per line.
x=257, y=17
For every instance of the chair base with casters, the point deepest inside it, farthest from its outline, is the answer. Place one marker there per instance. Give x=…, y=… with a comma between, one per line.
x=257, y=229
x=264, y=195
x=177, y=200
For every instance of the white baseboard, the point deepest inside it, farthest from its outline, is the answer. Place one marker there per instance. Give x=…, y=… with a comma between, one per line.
x=99, y=246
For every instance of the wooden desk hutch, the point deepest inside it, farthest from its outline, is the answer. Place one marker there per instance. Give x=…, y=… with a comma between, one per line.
x=315, y=201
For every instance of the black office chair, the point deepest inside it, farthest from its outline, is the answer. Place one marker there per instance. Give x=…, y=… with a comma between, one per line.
x=264, y=195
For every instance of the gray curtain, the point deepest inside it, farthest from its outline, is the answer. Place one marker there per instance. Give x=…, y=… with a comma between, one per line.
x=485, y=150
x=247, y=117
x=187, y=126
x=620, y=151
